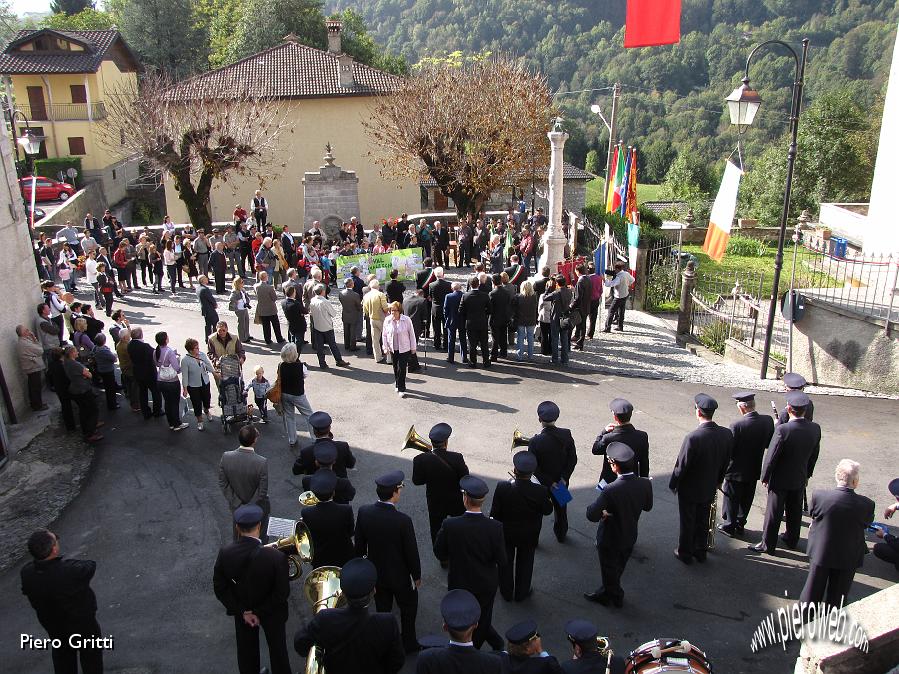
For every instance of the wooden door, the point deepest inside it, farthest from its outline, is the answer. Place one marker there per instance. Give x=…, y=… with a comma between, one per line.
x=36, y=103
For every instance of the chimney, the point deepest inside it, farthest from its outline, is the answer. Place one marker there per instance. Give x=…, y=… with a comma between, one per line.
x=345, y=70
x=334, y=27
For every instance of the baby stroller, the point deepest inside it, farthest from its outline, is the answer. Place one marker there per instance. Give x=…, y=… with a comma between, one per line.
x=232, y=398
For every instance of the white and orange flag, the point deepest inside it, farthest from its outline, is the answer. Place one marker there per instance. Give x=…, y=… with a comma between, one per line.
x=722, y=216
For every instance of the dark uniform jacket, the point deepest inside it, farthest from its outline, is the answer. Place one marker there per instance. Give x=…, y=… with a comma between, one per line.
x=451, y=310
x=387, y=537
x=583, y=294
x=305, y=462
x=520, y=505
x=293, y=314
x=625, y=499
x=454, y=659
x=439, y=290
x=809, y=415
x=60, y=592
x=540, y=286
x=556, y=455
x=500, y=307
x=142, y=362
x=700, y=466
x=515, y=664
x=422, y=278
x=394, y=291
x=836, y=538
x=594, y=664
x=331, y=529
x=474, y=309
x=630, y=436
x=752, y=435
x=344, y=492
x=207, y=301
x=416, y=308
x=792, y=456
x=250, y=577
x=352, y=640
x=440, y=470
x=475, y=548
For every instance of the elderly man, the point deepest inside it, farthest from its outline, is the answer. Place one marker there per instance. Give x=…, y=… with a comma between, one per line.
x=322, y=314
x=232, y=249
x=218, y=265
x=265, y=259
x=208, y=306
x=31, y=359
x=351, y=304
x=374, y=306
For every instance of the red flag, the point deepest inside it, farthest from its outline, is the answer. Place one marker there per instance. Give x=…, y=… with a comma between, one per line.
x=652, y=22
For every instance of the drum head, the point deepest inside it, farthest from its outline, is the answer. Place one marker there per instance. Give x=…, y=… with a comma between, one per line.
x=667, y=655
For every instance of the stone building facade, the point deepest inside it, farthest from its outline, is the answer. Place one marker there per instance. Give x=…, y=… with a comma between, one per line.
x=330, y=195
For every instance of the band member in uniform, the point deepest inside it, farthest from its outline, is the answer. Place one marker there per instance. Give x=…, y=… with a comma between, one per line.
x=836, y=537
x=350, y=639
x=796, y=382
x=325, y=456
x=524, y=653
x=440, y=471
x=321, y=428
x=888, y=548
x=788, y=466
x=752, y=434
x=617, y=509
x=252, y=583
x=460, y=611
x=697, y=474
x=556, y=459
x=474, y=309
x=60, y=592
x=330, y=524
x=520, y=505
x=387, y=537
x=588, y=656
x=622, y=430
x=473, y=545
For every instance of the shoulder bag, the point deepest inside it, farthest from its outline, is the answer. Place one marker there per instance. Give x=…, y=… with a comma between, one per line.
x=274, y=393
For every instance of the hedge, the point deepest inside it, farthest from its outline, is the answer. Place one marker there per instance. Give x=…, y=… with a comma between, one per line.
x=49, y=168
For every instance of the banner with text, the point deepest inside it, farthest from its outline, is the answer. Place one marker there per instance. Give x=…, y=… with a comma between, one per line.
x=407, y=262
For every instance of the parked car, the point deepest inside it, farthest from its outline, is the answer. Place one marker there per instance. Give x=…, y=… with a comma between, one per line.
x=47, y=189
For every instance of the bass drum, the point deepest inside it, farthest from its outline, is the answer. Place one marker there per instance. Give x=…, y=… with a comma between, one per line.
x=667, y=655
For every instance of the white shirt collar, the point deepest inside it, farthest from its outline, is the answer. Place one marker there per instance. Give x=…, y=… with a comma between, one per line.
x=465, y=644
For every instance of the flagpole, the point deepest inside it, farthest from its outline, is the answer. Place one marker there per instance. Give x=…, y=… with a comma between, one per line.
x=613, y=124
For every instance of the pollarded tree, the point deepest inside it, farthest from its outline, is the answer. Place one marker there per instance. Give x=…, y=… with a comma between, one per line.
x=194, y=137
x=470, y=125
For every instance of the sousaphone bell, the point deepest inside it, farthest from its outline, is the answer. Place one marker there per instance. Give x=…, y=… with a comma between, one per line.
x=322, y=589
x=297, y=547
x=519, y=440
x=415, y=441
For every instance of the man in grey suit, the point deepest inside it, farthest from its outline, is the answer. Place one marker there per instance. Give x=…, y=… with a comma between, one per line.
x=351, y=303
x=243, y=476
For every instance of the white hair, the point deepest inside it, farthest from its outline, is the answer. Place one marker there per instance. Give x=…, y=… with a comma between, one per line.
x=438, y=272
x=319, y=289
x=266, y=240
x=316, y=273
x=289, y=353
x=456, y=286
x=374, y=284
x=846, y=473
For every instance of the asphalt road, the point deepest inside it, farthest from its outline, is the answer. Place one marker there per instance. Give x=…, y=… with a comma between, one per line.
x=152, y=516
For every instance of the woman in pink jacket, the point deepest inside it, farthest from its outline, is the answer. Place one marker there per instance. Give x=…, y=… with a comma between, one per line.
x=398, y=339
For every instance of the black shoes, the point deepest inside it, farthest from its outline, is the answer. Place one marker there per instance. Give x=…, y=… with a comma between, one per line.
x=727, y=530
x=604, y=599
x=686, y=560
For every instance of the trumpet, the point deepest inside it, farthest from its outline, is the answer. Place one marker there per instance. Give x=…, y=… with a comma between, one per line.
x=308, y=498
x=298, y=549
x=322, y=589
x=519, y=440
x=415, y=441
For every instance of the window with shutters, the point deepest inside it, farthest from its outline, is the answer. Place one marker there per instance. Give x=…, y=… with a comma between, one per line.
x=76, y=146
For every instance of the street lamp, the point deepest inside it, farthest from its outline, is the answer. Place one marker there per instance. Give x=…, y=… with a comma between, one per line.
x=31, y=145
x=743, y=104
x=610, y=125
x=803, y=220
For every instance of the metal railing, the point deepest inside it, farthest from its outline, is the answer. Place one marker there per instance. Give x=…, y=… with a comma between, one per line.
x=64, y=112
x=663, y=271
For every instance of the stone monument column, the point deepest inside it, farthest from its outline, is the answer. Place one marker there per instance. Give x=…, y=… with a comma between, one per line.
x=554, y=240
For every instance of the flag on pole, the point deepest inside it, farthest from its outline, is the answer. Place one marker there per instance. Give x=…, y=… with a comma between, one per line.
x=510, y=245
x=631, y=213
x=722, y=217
x=652, y=22
x=610, y=180
x=619, y=179
x=625, y=182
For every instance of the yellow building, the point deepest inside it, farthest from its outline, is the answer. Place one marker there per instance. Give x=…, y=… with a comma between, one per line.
x=60, y=80
x=329, y=95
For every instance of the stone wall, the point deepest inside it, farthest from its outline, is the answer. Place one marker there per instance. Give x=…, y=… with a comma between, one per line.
x=89, y=199
x=331, y=196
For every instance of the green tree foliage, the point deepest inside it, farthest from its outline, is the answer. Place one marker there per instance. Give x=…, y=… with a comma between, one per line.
x=262, y=24
x=592, y=163
x=70, y=7
x=86, y=19
x=358, y=43
x=167, y=35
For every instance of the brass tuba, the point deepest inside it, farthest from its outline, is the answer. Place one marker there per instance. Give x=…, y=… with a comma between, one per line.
x=308, y=498
x=298, y=549
x=415, y=441
x=518, y=440
x=713, y=521
x=322, y=588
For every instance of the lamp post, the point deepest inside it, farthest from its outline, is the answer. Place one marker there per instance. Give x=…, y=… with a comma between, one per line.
x=611, y=126
x=743, y=104
x=803, y=219
x=31, y=145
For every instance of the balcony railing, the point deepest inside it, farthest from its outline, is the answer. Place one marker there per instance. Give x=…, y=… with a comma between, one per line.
x=64, y=112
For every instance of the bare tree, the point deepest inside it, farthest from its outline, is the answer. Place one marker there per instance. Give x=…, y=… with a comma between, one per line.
x=472, y=127
x=195, y=138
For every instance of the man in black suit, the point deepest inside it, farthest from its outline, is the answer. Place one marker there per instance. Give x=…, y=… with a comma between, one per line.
x=622, y=430
x=617, y=509
x=888, y=548
x=440, y=471
x=473, y=310
x=540, y=283
x=395, y=288
x=252, y=583
x=697, y=474
x=418, y=309
x=520, y=505
x=59, y=590
x=588, y=657
x=94, y=325
x=556, y=459
x=441, y=244
x=208, y=306
x=330, y=523
x=387, y=537
x=289, y=246
x=440, y=288
x=218, y=265
x=321, y=428
x=295, y=317
x=461, y=612
x=454, y=324
x=349, y=639
x=752, y=434
x=325, y=455
x=796, y=382
x=475, y=549
x=788, y=466
x=516, y=273
x=836, y=537
x=145, y=374
x=583, y=295
x=500, y=315
x=423, y=281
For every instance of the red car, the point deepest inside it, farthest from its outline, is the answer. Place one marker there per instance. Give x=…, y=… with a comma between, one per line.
x=47, y=189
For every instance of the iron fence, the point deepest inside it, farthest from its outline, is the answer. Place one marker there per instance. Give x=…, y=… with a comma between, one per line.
x=663, y=267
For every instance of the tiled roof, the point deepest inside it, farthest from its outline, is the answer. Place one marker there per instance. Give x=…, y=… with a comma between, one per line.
x=569, y=172
x=35, y=62
x=289, y=70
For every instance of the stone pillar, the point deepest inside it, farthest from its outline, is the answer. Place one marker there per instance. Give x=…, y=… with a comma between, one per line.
x=641, y=274
x=686, y=300
x=554, y=239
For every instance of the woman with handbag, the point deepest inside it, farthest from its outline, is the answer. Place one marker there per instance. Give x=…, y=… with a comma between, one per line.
x=239, y=303
x=289, y=392
x=398, y=340
x=195, y=371
x=169, y=366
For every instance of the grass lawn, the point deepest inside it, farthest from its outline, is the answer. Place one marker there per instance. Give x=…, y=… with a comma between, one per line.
x=644, y=192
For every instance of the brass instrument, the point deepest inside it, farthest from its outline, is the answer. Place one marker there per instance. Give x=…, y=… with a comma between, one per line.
x=308, y=498
x=298, y=549
x=322, y=589
x=713, y=520
x=519, y=440
x=415, y=441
